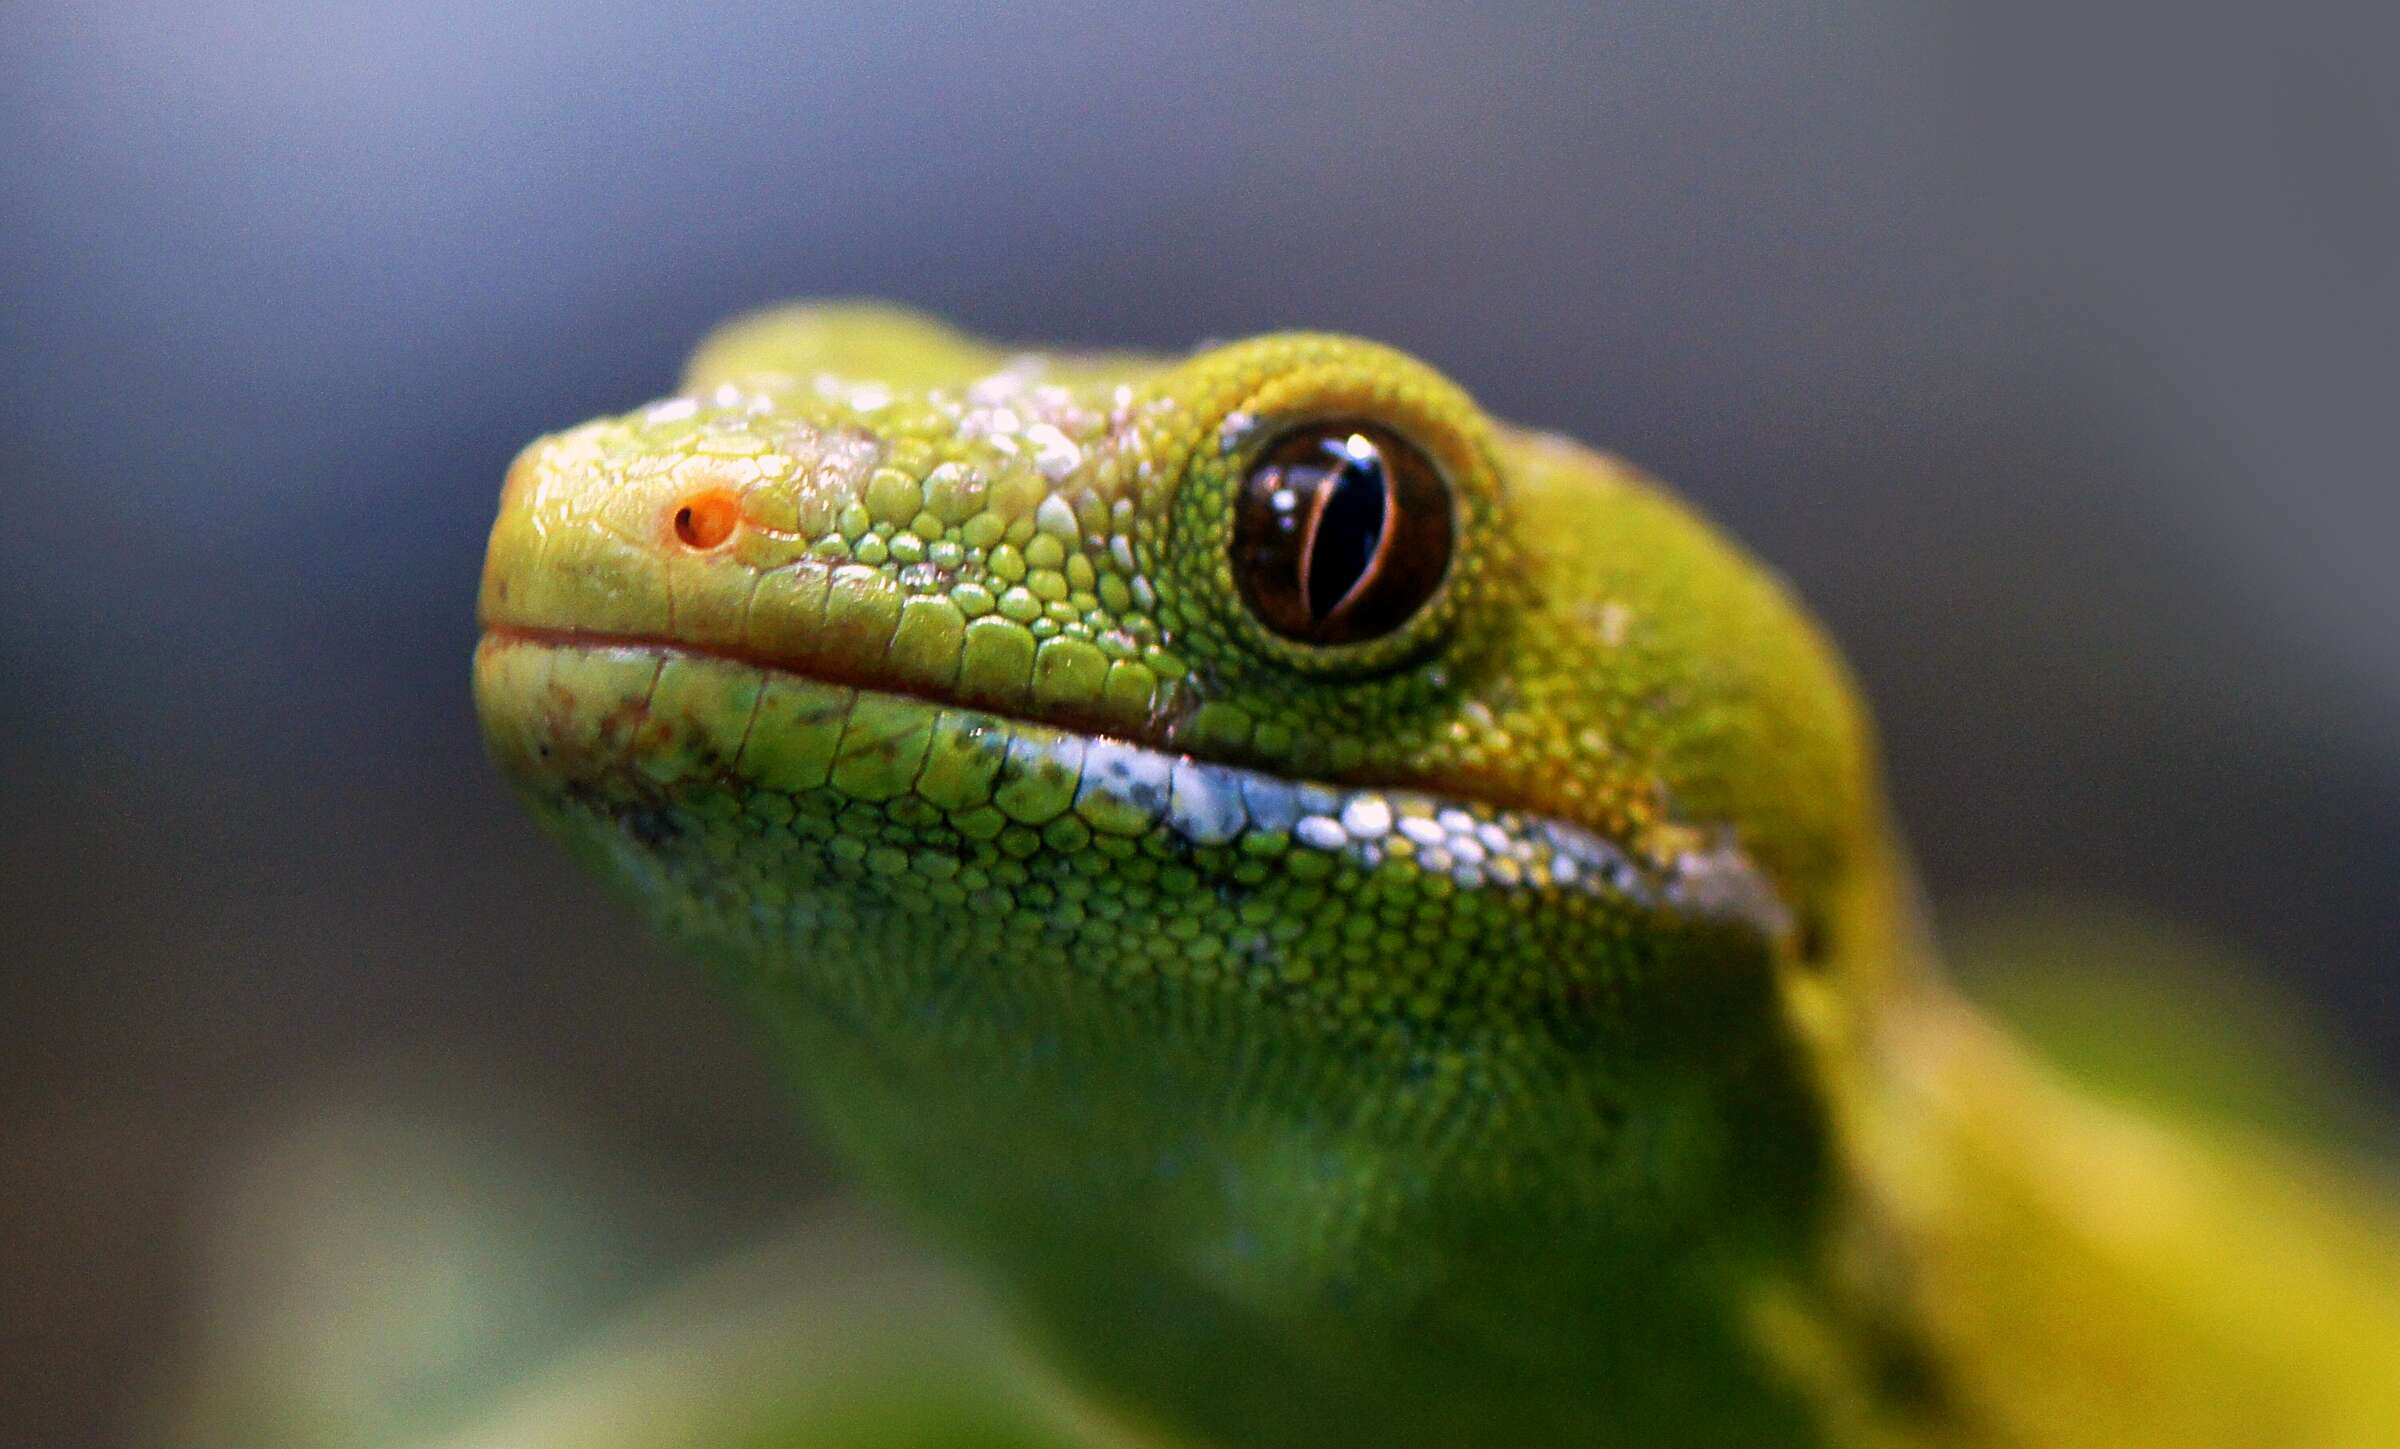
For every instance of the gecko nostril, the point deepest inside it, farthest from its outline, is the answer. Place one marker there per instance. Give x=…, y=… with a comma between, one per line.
x=705, y=520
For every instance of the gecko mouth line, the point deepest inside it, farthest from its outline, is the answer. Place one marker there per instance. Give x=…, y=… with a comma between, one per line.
x=1131, y=788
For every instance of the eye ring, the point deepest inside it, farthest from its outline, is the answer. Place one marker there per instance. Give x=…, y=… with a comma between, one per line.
x=1343, y=531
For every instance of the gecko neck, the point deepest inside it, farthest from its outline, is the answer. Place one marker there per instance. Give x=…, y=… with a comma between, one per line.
x=1996, y=1294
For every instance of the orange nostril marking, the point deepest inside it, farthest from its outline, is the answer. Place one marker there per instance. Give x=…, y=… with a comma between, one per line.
x=705, y=520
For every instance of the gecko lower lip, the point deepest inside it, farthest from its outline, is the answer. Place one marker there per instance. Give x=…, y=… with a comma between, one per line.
x=1131, y=787
x=818, y=671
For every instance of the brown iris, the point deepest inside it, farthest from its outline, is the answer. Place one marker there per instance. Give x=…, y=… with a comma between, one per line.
x=1341, y=534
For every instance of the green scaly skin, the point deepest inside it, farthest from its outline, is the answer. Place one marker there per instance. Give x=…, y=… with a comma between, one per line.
x=1514, y=1029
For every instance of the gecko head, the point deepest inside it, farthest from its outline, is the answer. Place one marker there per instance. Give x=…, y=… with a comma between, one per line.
x=1287, y=599
x=1278, y=670
x=1250, y=755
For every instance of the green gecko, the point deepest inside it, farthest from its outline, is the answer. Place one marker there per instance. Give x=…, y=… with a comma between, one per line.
x=1364, y=924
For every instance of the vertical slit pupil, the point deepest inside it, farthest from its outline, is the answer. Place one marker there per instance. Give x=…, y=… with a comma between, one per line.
x=1350, y=529
x=1341, y=532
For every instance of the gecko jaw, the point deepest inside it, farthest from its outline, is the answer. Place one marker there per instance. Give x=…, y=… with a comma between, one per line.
x=886, y=743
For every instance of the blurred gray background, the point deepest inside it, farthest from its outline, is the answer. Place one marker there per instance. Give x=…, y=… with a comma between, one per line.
x=2052, y=353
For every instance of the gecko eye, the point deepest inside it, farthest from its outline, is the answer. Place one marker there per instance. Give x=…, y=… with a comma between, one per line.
x=1342, y=533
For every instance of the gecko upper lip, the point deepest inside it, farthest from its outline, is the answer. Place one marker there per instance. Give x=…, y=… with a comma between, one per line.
x=1478, y=843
